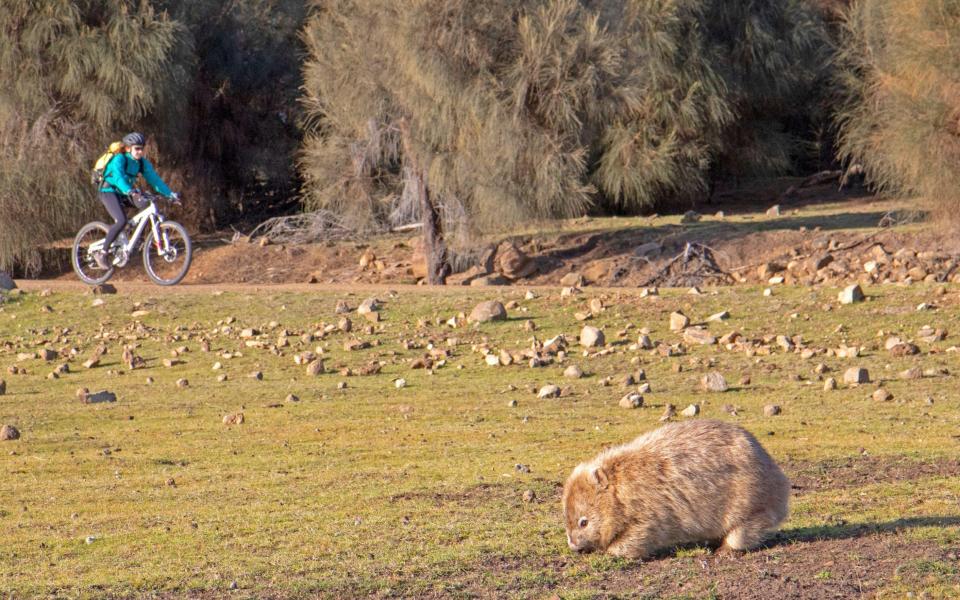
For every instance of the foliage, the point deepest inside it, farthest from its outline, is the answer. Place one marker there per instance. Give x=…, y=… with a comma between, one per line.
x=70, y=76
x=901, y=111
x=546, y=107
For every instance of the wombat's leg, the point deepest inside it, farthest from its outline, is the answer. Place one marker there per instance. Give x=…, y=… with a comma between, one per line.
x=628, y=545
x=743, y=538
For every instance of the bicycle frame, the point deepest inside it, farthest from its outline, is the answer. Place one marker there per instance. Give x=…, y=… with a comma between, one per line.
x=148, y=216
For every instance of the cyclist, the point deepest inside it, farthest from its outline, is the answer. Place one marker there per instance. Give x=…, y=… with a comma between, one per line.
x=119, y=185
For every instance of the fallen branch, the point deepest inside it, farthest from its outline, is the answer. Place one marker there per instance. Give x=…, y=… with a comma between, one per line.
x=306, y=228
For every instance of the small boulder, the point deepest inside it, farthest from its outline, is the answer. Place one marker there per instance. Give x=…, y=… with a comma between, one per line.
x=573, y=372
x=549, y=391
x=233, y=419
x=856, y=375
x=851, y=294
x=691, y=411
x=771, y=410
x=9, y=433
x=695, y=335
x=678, y=321
x=492, y=310
x=591, y=337
x=6, y=282
x=713, y=382
x=882, y=395
x=573, y=279
x=631, y=400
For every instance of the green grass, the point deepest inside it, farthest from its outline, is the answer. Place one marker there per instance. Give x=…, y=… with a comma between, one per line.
x=378, y=491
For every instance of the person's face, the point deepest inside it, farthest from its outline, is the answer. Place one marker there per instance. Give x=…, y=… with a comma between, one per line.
x=136, y=152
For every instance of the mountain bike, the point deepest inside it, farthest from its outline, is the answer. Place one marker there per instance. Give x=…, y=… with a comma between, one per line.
x=167, y=250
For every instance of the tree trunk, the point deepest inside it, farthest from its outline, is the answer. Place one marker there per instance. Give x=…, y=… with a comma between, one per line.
x=434, y=248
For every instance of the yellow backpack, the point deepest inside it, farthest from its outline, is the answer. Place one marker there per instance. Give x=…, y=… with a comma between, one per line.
x=96, y=176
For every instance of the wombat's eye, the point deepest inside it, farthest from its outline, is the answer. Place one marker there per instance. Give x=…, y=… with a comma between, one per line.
x=582, y=522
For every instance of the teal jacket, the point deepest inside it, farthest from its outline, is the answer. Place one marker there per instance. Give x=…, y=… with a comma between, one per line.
x=120, y=176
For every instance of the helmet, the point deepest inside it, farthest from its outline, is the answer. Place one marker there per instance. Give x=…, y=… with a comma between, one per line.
x=134, y=139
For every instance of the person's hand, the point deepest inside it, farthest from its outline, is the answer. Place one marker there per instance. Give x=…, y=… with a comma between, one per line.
x=135, y=195
x=175, y=197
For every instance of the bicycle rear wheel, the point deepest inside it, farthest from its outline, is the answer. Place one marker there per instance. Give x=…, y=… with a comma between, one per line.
x=89, y=238
x=167, y=259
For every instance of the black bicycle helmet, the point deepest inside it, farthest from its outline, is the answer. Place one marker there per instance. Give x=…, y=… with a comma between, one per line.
x=134, y=139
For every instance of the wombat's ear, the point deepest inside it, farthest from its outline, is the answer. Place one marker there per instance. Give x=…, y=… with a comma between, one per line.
x=598, y=477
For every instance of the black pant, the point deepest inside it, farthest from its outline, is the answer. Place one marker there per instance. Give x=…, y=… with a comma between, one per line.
x=114, y=204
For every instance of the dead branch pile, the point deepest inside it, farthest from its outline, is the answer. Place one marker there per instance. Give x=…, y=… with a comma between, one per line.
x=694, y=266
x=306, y=228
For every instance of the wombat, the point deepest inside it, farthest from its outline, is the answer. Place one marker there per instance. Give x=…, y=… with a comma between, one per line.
x=685, y=482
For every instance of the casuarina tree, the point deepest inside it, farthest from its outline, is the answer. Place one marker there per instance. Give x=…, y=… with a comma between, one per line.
x=901, y=115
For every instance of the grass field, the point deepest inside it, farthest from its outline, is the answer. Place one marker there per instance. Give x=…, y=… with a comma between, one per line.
x=420, y=491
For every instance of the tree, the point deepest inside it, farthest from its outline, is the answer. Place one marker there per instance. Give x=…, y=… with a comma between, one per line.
x=496, y=112
x=900, y=117
x=71, y=75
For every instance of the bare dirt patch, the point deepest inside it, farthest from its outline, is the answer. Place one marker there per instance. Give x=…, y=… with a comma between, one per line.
x=815, y=476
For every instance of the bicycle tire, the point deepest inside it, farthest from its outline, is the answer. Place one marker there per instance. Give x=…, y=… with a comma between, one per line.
x=81, y=259
x=150, y=247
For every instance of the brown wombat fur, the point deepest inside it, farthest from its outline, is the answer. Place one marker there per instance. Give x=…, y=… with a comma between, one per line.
x=685, y=482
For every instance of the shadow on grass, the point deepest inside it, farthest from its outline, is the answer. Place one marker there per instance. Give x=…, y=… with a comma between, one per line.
x=842, y=531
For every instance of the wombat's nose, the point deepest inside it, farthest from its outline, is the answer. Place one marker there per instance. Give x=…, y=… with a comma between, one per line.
x=571, y=544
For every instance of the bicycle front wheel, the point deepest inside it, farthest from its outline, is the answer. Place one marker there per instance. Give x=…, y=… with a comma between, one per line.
x=166, y=259
x=88, y=240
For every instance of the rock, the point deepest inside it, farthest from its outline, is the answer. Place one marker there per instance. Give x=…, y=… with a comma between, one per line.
x=829, y=384
x=851, y=294
x=315, y=368
x=573, y=279
x=492, y=360
x=549, y=391
x=856, y=375
x=400, y=383
x=573, y=372
x=691, y=411
x=882, y=395
x=691, y=216
x=596, y=306
x=3, y=387
x=720, y=316
x=819, y=262
x=566, y=292
x=912, y=373
x=529, y=496
x=771, y=410
x=342, y=307
x=9, y=433
x=6, y=282
x=904, y=349
x=292, y=398
x=492, y=310
x=767, y=270
x=488, y=280
x=713, y=382
x=669, y=411
x=103, y=289
x=345, y=324
x=774, y=211
x=368, y=306
x=591, y=337
x=644, y=342
x=513, y=263
x=678, y=321
x=233, y=419
x=182, y=383
x=258, y=375
x=695, y=335
x=631, y=400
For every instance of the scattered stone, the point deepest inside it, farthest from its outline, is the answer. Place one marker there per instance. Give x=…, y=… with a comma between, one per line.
x=6, y=282
x=233, y=419
x=830, y=384
x=904, y=349
x=3, y=387
x=631, y=400
x=774, y=211
x=691, y=411
x=912, y=373
x=292, y=398
x=367, y=306
x=342, y=307
x=669, y=411
x=315, y=368
x=103, y=289
x=713, y=382
x=851, y=294
x=720, y=316
x=529, y=496
x=573, y=279
x=491, y=310
x=591, y=337
x=258, y=375
x=8, y=433
x=678, y=321
x=691, y=216
x=573, y=372
x=856, y=375
x=182, y=383
x=549, y=391
x=644, y=342
x=400, y=383
x=771, y=410
x=882, y=395
x=695, y=335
